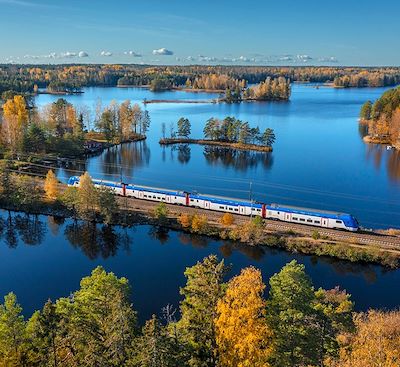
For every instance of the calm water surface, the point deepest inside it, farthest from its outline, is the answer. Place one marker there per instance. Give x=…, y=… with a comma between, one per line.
x=44, y=259
x=319, y=159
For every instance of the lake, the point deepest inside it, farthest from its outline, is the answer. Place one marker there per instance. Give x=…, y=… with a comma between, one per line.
x=43, y=258
x=319, y=158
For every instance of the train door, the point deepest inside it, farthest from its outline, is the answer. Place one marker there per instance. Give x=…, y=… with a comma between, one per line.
x=242, y=210
x=187, y=199
x=206, y=204
x=324, y=222
x=140, y=194
x=123, y=189
x=288, y=217
x=168, y=198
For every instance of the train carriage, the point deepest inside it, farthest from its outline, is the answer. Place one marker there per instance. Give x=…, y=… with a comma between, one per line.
x=286, y=213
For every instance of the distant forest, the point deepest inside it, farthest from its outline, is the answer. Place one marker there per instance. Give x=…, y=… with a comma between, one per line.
x=71, y=78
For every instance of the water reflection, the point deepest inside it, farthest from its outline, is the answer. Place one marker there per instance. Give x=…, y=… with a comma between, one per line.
x=124, y=158
x=380, y=156
x=21, y=227
x=96, y=240
x=238, y=159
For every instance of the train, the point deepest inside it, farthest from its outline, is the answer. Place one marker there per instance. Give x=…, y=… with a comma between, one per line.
x=285, y=213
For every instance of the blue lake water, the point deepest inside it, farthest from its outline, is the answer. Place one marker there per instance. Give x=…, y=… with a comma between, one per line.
x=44, y=259
x=319, y=160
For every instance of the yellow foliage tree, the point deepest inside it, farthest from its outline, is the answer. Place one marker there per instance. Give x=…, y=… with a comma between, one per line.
x=185, y=220
x=242, y=334
x=16, y=118
x=227, y=219
x=199, y=223
x=87, y=196
x=51, y=185
x=376, y=342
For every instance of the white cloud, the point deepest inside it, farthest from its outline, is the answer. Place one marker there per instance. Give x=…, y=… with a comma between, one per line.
x=68, y=54
x=132, y=53
x=106, y=53
x=83, y=54
x=207, y=58
x=163, y=51
x=303, y=58
x=330, y=59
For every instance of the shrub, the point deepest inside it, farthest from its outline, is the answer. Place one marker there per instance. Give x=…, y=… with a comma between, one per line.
x=227, y=219
x=316, y=235
x=185, y=220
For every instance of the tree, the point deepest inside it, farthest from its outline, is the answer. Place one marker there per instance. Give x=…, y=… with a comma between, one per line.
x=145, y=122
x=204, y=287
x=126, y=116
x=106, y=126
x=376, y=341
x=12, y=331
x=155, y=347
x=184, y=127
x=97, y=323
x=107, y=203
x=227, y=219
x=15, y=116
x=34, y=139
x=268, y=137
x=242, y=334
x=185, y=220
x=333, y=317
x=51, y=185
x=87, y=197
x=366, y=109
x=199, y=223
x=290, y=315
x=161, y=213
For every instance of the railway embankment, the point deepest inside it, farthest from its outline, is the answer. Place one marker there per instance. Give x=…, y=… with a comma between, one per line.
x=355, y=247
x=218, y=143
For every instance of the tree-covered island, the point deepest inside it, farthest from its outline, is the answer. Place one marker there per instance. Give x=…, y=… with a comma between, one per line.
x=229, y=132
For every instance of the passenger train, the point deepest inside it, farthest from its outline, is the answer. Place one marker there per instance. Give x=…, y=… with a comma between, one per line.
x=286, y=213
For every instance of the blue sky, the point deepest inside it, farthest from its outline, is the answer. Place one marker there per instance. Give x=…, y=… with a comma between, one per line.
x=249, y=32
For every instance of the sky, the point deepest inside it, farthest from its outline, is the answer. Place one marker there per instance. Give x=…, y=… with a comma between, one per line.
x=246, y=32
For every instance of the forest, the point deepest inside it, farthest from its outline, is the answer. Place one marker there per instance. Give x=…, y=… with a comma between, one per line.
x=70, y=78
x=222, y=320
x=383, y=118
x=61, y=128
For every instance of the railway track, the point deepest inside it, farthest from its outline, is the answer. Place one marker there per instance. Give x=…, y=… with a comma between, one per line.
x=356, y=238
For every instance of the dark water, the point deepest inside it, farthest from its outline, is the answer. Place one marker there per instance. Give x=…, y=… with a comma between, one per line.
x=43, y=259
x=319, y=159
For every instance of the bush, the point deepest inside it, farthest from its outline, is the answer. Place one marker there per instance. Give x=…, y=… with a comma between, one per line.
x=199, y=223
x=316, y=235
x=185, y=220
x=227, y=219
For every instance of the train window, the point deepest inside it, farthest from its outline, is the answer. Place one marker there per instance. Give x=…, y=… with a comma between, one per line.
x=278, y=212
x=302, y=220
x=236, y=210
x=145, y=196
x=294, y=218
x=309, y=220
x=191, y=199
x=317, y=221
x=339, y=221
x=221, y=207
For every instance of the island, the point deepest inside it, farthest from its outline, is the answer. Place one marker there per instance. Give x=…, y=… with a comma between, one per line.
x=382, y=119
x=229, y=133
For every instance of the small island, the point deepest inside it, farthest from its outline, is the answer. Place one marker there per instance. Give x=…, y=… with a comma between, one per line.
x=229, y=132
x=382, y=119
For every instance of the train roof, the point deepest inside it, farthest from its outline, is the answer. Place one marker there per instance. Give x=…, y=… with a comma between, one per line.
x=301, y=209
x=226, y=200
x=155, y=189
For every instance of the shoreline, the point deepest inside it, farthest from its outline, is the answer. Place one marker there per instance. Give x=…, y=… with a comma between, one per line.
x=312, y=241
x=223, y=144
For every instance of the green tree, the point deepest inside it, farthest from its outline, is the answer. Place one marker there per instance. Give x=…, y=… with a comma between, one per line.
x=161, y=213
x=106, y=126
x=145, y=123
x=366, y=109
x=204, y=287
x=155, y=348
x=268, y=137
x=184, y=127
x=87, y=197
x=12, y=331
x=35, y=139
x=334, y=316
x=290, y=315
x=107, y=203
x=98, y=323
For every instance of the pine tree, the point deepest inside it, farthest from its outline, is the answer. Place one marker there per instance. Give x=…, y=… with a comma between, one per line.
x=184, y=127
x=51, y=185
x=366, y=110
x=242, y=334
x=290, y=315
x=12, y=331
x=204, y=287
